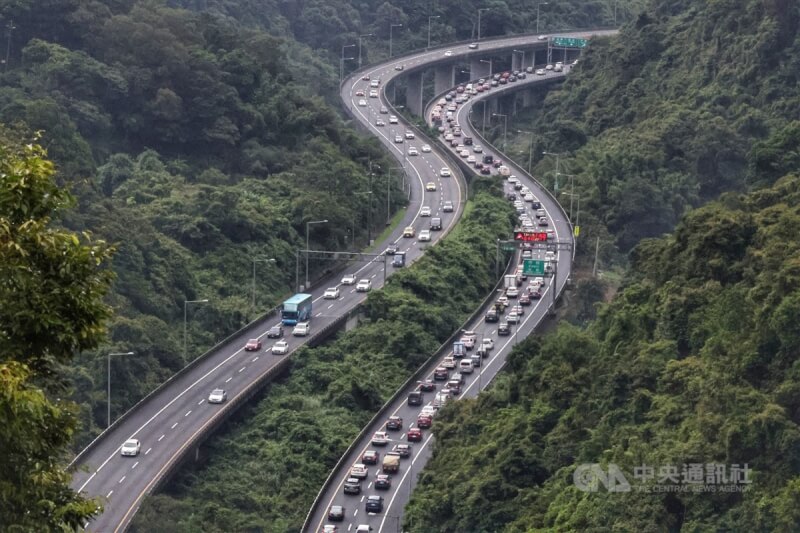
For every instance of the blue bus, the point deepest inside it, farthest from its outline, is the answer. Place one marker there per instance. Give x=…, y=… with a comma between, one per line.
x=296, y=309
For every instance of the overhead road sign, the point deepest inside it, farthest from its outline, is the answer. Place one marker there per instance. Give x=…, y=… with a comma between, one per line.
x=569, y=42
x=533, y=267
x=530, y=236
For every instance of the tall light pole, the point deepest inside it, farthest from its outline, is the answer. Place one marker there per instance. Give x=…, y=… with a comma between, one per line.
x=429, y=29
x=185, y=306
x=10, y=27
x=308, y=224
x=615, y=13
x=505, y=127
x=558, y=156
x=369, y=214
x=537, y=14
x=341, y=62
x=108, y=425
x=254, y=276
x=481, y=10
x=359, y=46
x=530, y=148
x=572, y=192
x=391, y=29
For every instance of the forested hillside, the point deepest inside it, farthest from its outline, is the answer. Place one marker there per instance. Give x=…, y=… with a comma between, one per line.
x=196, y=145
x=266, y=467
x=695, y=362
x=689, y=101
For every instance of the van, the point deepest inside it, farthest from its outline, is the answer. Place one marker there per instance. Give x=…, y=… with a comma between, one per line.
x=415, y=398
x=436, y=223
x=399, y=260
x=391, y=463
x=468, y=88
x=465, y=366
x=540, y=213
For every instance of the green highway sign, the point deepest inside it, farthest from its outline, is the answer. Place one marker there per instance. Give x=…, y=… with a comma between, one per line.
x=569, y=42
x=533, y=267
x=509, y=248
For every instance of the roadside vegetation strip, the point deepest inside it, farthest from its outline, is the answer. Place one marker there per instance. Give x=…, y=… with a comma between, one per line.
x=266, y=468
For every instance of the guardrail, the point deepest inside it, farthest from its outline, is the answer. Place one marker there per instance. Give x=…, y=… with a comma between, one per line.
x=445, y=347
x=196, y=361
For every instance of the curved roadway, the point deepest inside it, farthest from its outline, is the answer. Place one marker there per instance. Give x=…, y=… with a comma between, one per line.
x=169, y=421
x=403, y=482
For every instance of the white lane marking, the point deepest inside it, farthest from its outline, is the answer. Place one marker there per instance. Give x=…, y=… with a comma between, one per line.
x=135, y=465
x=369, y=486
x=161, y=437
x=330, y=306
x=109, y=493
x=362, y=498
x=318, y=314
x=227, y=380
x=148, y=451
x=350, y=525
x=121, y=480
x=403, y=480
x=242, y=369
x=187, y=413
x=254, y=359
x=200, y=402
x=356, y=511
x=173, y=425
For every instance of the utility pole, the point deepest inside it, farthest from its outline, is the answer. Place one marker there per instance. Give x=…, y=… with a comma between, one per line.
x=309, y=223
x=481, y=10
x=185, y=320
x=10, y=27
x=109, y=385
x=341, y=62
x=596, y=251
x=429, y=29
x=505, y=127
x=359, y=46
x=537, y=14
x=391, y=28
x=530, y=149
x=558, y=156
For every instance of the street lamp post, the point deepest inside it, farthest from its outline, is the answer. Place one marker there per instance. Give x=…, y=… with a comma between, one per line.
x=10, y=27
x=369, y=214
x=558, y=156
x=359, y=46
x=391, y=29
x=481, y=10
x=530, y=149
x=505, y=127
x=341, y=62
x=429, y=29
x=537, y=14
x=185, y=307
x=308, y=224
x=272, y=260
x=109, y=384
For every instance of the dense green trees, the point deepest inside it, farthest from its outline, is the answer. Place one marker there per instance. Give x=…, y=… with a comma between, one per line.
x=265, y=469
x=695, y=361
x=51, y=306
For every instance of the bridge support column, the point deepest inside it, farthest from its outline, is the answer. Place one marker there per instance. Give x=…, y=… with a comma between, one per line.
x=526, y=98
x=517, y=61
x=444, y=78
x=414, y=93
x=478, y=69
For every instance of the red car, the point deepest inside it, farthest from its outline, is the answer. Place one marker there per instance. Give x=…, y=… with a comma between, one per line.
x=365, y=77
x=441, y=373
x=427, y=386
x=414, y=435
x=394, y=422
x=370, y=457
x=253, y=345
x=424, y=421
x=486, y=170
x=524, y=299
x=359, y=93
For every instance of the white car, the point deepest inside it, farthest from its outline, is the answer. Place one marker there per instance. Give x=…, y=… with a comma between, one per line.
x=392, y=119
x=464, y=153
x=549, y=66
x=301, y=330
x=413, y=151
x=426, y=148
x=280, y=348
x=425, y=211
x=477, y=148
x=349, y=279
x=362, y=103
x=529, y=197
x=409, y=135
x=398, y=139
x=331, y=293
x=380, y=438
x=448, y=53
x=447, y=207
x=540, y=72
x=359, y=471
x=373, y=93
x=424, y=236
x=471, y=159
x=428, y=410
x=217, y=396
x=488, y=344
x=364, y=285
x=445, y=172
x=543, y=37
x=512, y=318
x=512, y=292
x=449, y=362
x=380, y=123
x=130, y=448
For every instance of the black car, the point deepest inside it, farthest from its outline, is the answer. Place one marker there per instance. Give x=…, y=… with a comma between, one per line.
x=403, y=450
x=391, y=249
x=467, y=141
x=492, y=315
x=511, y=197
x=486, y=170
x=275, y=332
x=383, y=482
x=503, y=329
x=336, y=513
x=416, y=398
x=488, y=159
x=394, y=423
x=399, y=260
x=436, y=224
x=374, y=504
x=352, y=486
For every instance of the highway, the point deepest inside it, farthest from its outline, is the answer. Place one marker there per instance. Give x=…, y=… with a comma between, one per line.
x=403, y=482
x=176, y=416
